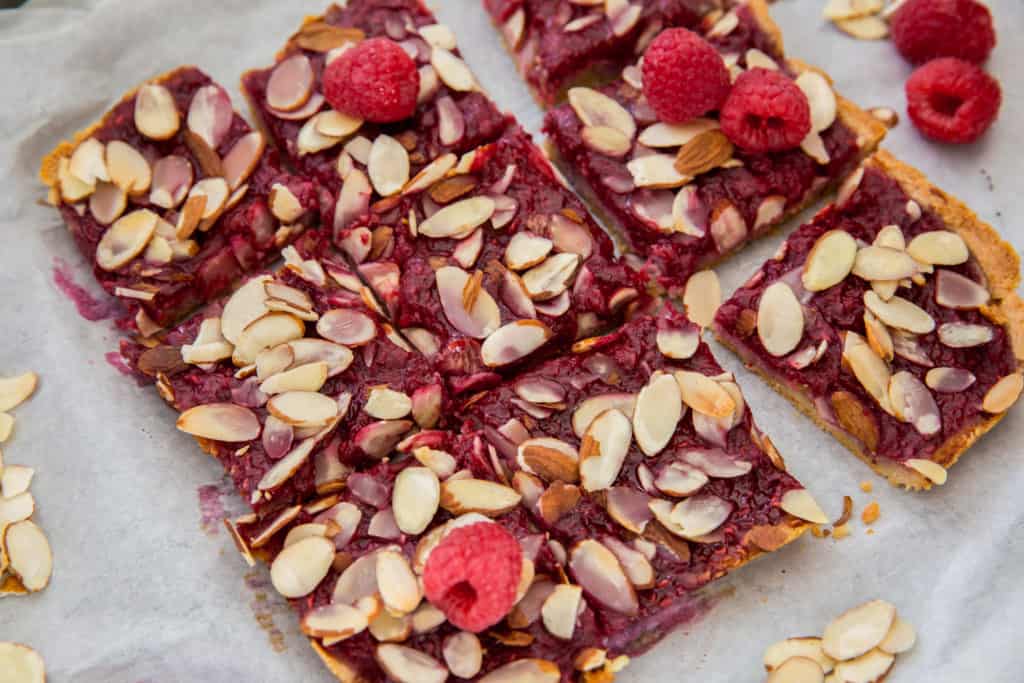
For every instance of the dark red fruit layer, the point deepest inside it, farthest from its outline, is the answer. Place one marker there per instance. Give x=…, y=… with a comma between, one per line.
x=951, y=100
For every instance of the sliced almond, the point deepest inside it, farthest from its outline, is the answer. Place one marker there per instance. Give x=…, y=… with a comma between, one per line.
x=241, y=161
x=416, y=497
x=540, y=390
x=525, y=671
x=675, y=134
x=705, y=152
x=172, y=179
x=606, y=140
x=870, y=370
x=28, y=554
x=125, y=239
x=858, y=631
x=820, y=97
x=680, y=480
x=452, y=70
x=800, y=503
x=15, y=390
x=264, y=333
x=780, y=319
x=71, y=188
x=702, y=298
x=388, y=167
x=6, y=425
x=459, y=219
x=526, y=250
x=956, y=291
x=656, y=171
x=929, y=469
x=864, y=28
x=549, y=458
x=560, y=609
x=305, y=378
x=901, y=637
x=900, y=313
x=16, y=508
x=463, y=496
x=156, y=113
x=851, y=9
x=210, y=114
x=463, y=654
x=513, y=342
x=949, y=380
x=678, y=344
x=600, y=574
x=407, y=665
x=797, y=670
x=303, y=408
x=335, y=621
x=88, y=162
x=882, y=263
x=551, y=277
x=809, y=648
x=378, y=439
x=868, y=668
x=939, y=248
x=291, y=83
x=298, y=569
x=21, y=664
x=829, y=261
x=596, y=109
x=311, y=140
x=1003, y=394
x=604, y=449
x=245, y=306
x=128, y=169
x=700, y=515
x=357, y=581
x=590, y=408
x=220, y=422
x=965, y=335
x=717, y=463
x=399, y=588
x=704, y=394
x=481, y=320
x=725, y=25
x=912, y=402
x=15, y=479
x=431, y=173
x=216, y=192
x=659, y=408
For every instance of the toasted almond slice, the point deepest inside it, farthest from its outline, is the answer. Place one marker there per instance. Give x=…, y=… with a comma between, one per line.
x=21, y=664
x=606, y=140
x=871, y=371
x=378, y=439
x=680, y=480
x=303, y=408
x=479, y=321
x=310, y=140
x=780, y=319
x=656, y=171
x=809, y=648
x=407, y=665
x=956, y=291
x=426, y=618
x=560, y=609
x=851, y=9
x=357, y=581
x=913, y=403
x=939, y=248
x=346, y=326
x=397, y=583
x=264, y=333
x=590, y=408
x=216, y=191
x=334, y=621
x=678, y=344
x=156, y=113
x=14, y=390
x=15, y=480
x=800, y=503
x=309, y=377
x=220, y=422
x=929, y=469
x=526, y=250
x=540, y=390
x=829, y=261
x=461, y=496
x=551, y=277
x=901, y=637
x=241, y=161
x=388, y=166
x=600, y=574
x=431, y=173
x=964, y=335
x=245, y=306
x=283, y=203
x=699, y=516
x=659, y=407
x=513, y=342
x=16, y=508
x=675, y=134
x=597, y=109
x=459, y=219
x=298, y=569
x=549, y=458
x=416, y=496
x=949, y=380
x=125, y=239
x=302, y=531
x=900, y=313
x=704, y=394
x=864, y=28
x=878, y=336
x=725, y=25
x=71, y=188
x=882, y=263
x=814, y=146
x=1003, y=394
x=604, y=450
x=29, y=555
x=858, y=631
x=387, y=404
x=797, y=670
x=452, y=70
x=702, y=298
x=88, y=162
x=868, y=668
x=6, y=424
x=210, y=114
x=525, y=671
x=291, y=83
x=463, y=654
x=336, y=124
x=820, y=96
x=128, y=169
x=172, y=179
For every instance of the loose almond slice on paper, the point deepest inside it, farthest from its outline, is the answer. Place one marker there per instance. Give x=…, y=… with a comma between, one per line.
x=6, y=426
x=15, y=390
x=659, y=407
x=597, y=109
x=513, y=342
x=780, y=319
x=939, y=248
x=851, y=9
x=29, y=555
x=21, y=664
x=901, y=638
x=829, y=261
x=220, y=422
x=156, y=113
x=16, y=508
x=407, y=665
x=809, y=648
x=125, y=239
x=298, y=569
x=1003, y=394
x=15, y=480
x=868, y=668
x=797, y=670
x=858, y=631
x=864, y=28
x=800, y=503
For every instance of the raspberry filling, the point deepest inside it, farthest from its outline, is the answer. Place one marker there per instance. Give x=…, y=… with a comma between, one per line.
x=878, y=201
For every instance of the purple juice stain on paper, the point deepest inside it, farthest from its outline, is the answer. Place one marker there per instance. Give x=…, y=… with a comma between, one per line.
x=211, y=508
x=89, y=307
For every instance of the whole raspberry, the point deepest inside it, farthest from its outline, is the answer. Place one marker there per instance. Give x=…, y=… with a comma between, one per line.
x=765, y=112
x=951, y=100
x=684, y=77
x=376, y=80
x=926, y=29
x=472, y=575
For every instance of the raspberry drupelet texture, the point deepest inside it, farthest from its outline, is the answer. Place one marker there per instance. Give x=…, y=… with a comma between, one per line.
x=765, y=112
x=472, y=575
x=951, y=100
x=376, y=81
x=683, y=76
x=927, y=29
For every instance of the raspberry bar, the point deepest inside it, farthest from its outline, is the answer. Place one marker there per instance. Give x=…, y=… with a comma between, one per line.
x=288, y=99
x=640, y=442
x=293, y=382
x=892, y=320
x=427, y=568
x=560, y=42
x=683, y=194
x=173, y=198
x=489, y=262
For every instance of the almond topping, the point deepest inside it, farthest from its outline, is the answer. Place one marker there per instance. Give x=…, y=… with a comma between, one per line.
x=659, y=408
x=871, y=371
x=125, y=239
x=416, y=496
x=514, y=342
x=949, y=380
x=335, y=621
x=704, y=395
x=800, y=503
x=702, y=298
x=606, y=140
x=939, y=248
x=291, y=83
x=1003, y=394
x=482, y=319
x=596, y=109
x=929, y=469
x=461, y=496
x=264, y=333
x=172, y=179
x=552, y=277
x=913, y=403
x=303, y=408
x=245, y=306
x=88, y=162
x=956, y=291
x=882, y=263
x=526, y=250
x=820, y=96
x=656, y=171
x=675, y=134
x=780, y=319
x=829, y=261
x=549, y=458
x=156, y=114
x=600, y=574
x=389, y=166
x=459, y=219
x=964, y=335
x=604, y=449
x=900, y=313
x=220, y=422
x=590, y=408
x=678, y=344
x=452, y=70
x=525, y=671
x=399, y=588
x=128, y=169
x=560, y=609
x=298, y=569
x=463, y=654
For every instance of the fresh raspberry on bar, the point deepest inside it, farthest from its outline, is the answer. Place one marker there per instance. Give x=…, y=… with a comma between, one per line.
x=376, y=80
x=927, y=29
x=951, y=100
x=683, y=76
x=765, y=112
x=472, y=575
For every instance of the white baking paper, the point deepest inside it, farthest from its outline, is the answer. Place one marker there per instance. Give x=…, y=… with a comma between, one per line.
x=145, y=592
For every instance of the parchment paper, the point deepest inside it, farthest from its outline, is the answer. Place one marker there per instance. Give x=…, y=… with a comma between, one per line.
x=142, y=592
